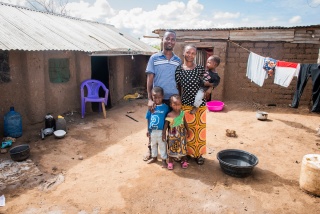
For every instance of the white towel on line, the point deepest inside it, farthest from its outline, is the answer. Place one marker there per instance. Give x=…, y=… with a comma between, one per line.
x=255, y=71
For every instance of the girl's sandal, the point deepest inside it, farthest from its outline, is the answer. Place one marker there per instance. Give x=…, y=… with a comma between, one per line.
x=170, y=166
x=184, y=164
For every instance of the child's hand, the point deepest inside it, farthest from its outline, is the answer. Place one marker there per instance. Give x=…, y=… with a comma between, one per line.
x=207, y=83
x=208, y=94
x=164, y=139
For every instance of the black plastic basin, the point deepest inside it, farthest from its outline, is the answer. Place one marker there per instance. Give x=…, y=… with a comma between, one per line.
x=20, y=153
x=237, y=163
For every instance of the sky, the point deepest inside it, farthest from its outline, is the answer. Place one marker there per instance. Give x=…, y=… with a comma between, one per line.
x=140, y=17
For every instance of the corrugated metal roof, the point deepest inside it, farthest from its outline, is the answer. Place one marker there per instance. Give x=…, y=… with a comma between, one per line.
x=239, y=28
x=30, y=30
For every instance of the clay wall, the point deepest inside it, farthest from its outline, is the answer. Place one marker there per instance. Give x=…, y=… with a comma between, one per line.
x=30, y=90
x=33, y=95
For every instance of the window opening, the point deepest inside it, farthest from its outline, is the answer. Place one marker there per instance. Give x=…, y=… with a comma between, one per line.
x=59, y=70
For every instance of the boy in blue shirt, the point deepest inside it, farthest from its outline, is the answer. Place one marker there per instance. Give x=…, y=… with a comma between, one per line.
x=156, y=120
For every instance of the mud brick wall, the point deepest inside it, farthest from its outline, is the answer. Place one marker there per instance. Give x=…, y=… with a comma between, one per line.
x=239, y=87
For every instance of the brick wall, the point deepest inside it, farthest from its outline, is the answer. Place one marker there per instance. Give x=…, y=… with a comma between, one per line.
x=238, y=87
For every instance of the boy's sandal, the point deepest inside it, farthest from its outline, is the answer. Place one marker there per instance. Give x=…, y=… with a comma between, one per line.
x=200, y=160
x=170, y=166
x=152, y=160
x=147, y=156
x=184, y=164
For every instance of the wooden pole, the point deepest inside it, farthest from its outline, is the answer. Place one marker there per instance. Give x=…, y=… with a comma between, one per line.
x=104, y=110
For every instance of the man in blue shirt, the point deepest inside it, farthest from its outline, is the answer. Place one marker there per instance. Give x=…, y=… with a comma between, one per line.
x=161, y=69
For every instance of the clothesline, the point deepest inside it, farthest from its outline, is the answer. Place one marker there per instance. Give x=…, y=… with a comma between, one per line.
x=239, y=45
x=259, y=67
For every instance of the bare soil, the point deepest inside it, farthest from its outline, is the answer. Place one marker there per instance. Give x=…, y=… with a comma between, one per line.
x=98, y=166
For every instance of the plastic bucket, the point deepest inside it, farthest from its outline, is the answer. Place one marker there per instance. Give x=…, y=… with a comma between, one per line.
x=310, y=174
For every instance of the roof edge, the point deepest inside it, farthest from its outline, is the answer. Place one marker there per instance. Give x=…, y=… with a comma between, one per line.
x=156, y=31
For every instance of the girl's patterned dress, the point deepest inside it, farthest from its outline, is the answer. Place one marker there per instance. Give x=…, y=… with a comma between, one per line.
x=177, y=136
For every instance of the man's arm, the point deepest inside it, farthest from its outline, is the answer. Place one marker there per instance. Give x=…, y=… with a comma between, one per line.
x=149, y=89
x=150, y=77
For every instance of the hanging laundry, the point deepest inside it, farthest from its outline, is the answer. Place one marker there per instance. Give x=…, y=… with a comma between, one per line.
x=307, y=70
x=255, y=71
x=284, y=72
x=269, y=65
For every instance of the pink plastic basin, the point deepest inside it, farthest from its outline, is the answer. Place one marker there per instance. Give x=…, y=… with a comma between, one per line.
x=215, y=105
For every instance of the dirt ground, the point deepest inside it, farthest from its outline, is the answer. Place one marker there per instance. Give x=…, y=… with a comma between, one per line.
x=98, y=168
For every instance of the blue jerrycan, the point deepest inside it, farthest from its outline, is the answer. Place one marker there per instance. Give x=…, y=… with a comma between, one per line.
x=12, y=124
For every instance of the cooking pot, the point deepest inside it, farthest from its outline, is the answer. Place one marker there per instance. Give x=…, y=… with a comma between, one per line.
x=262, y=115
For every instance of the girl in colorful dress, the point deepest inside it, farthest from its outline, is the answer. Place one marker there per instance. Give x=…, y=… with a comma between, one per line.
x=177, y=133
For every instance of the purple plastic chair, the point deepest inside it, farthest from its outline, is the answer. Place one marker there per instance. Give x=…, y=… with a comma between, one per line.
x=92, y=87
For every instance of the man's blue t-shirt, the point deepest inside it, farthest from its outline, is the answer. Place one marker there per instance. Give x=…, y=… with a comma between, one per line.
x=164, y=73
x=156, y=119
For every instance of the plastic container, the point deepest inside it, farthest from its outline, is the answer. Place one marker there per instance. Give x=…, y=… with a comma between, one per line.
x=20, y=153
x=12, y=124
x=59, y=133
x=61, y=124
x=310, y=173
x=50, y=122
x=215, y=105
x=237, y=163
x=262, y=115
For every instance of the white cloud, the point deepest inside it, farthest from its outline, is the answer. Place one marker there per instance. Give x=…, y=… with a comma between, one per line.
x=313, y=3
x=95, y=12
x=226, y=15
x=295, y=20
x=174, y=14
x=253, y=0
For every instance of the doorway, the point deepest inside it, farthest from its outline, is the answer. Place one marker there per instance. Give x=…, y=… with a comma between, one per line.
x=202, y=55
x=100, y=71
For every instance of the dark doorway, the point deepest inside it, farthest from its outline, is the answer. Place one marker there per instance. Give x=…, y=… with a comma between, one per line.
x=202, y=55
x=100, y=71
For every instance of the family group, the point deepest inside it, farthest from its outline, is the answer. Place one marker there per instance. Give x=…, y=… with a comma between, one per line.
x=177, y=95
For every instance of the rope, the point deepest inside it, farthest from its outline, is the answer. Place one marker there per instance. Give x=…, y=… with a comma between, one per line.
x=239, y=45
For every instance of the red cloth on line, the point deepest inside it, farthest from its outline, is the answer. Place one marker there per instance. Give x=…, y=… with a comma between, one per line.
x=287, y=64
